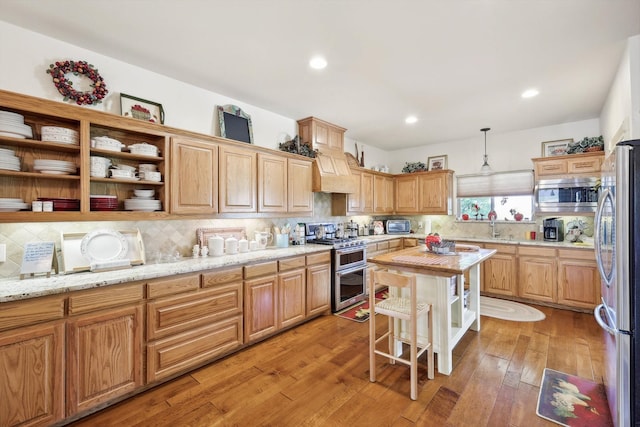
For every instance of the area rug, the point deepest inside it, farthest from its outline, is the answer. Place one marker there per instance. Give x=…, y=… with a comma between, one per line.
x=509, y=310
x=360, y=312
x=572, y=401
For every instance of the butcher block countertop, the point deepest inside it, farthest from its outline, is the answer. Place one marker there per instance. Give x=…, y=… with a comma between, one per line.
x=419, y=260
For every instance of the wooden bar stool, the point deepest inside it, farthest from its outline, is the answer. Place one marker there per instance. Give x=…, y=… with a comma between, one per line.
x=400, y=307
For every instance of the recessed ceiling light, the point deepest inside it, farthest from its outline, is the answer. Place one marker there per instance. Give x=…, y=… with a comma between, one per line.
x=411, y=120
x=530, y=93
x=318, y=63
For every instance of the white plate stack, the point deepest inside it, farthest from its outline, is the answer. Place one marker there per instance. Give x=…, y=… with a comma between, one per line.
x=9, y=160
x=54, y=167
x=12, y=205
x=12, y=125
x=142, y=204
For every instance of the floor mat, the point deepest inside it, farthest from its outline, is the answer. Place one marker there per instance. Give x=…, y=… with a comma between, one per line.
x=572, y=401
x=509, y=310
x=360, y=312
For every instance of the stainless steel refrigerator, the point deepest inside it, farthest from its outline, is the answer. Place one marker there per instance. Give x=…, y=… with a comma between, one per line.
x=617, y=244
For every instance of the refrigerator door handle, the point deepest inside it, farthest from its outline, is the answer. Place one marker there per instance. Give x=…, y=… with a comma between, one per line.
x=603, y=324
x=597, y=235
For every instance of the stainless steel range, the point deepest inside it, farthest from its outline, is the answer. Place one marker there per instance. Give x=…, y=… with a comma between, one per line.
x=348, y=263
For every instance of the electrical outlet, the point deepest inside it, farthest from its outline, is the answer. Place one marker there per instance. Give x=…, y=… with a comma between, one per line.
x=419, y=225
x=3, y=252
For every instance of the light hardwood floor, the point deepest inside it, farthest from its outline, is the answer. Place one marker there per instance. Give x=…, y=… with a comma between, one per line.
x=317, y=374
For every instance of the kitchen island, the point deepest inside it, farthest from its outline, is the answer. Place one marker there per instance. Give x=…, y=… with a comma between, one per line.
x=441, y=282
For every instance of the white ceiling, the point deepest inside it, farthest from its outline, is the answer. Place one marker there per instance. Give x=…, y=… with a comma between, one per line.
x=458, y=65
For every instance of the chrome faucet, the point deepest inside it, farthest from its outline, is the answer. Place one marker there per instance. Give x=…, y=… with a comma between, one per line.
x=492, y=225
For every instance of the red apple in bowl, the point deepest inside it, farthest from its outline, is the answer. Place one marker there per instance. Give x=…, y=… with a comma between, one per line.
x=465, y=217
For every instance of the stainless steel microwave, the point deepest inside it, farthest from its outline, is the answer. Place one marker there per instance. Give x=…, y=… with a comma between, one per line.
x=398, y=226
x=579, y=195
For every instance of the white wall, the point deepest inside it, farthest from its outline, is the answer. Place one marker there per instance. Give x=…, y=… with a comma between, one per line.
x=26, y=59
x=506, y=151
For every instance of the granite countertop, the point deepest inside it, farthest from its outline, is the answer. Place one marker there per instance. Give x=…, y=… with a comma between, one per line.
x=38, y=286
x=563, y=245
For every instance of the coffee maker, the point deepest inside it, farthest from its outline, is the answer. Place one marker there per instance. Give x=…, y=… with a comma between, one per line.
x=553, y=230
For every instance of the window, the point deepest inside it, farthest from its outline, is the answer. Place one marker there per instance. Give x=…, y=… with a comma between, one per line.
x=502, y=205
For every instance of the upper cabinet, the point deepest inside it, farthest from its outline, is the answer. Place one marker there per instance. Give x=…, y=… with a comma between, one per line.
x=272, y=183
x=322, y=135
x=571, y=164
x=425, y=193
x=300, y=196
x=194, y=169
x=238, y=180
x=383, y=194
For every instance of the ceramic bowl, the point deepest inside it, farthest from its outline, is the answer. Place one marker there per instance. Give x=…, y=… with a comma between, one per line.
x=144, y=193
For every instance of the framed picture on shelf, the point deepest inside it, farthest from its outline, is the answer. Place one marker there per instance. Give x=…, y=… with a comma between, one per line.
x=436, y=163
x=556, y=148
x=235, y=124
x=141, y=109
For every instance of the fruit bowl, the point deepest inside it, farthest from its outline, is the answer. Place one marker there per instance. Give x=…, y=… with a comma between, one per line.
x=443, y=247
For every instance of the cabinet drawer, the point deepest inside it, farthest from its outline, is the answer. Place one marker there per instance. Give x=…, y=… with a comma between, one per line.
x=382, y=246
x=219, y=277
x=291, y=263
x=536, y=251
x=28, y=312
x=321, y=258
x=585, y=254
x=112, y=296
x=410, y=242
x=172, y=286
x=190, y=349
x=551, y=167
x=184, y=312
x=502, y=249
x=262, y=269
x=584, y=165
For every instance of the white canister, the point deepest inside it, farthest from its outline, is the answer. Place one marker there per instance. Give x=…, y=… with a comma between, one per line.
x=243, y=245
x=216, y=246
x=253, y=245
x=231, y=246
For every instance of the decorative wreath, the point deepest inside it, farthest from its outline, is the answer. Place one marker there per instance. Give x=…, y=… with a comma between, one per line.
x=58, y=73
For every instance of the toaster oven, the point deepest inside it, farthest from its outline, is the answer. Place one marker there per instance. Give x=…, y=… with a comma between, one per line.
x=398, y=226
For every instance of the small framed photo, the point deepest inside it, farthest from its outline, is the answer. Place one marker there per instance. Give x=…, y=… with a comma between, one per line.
x=141, y=109
x=235, y=124
x=436, y=163
x=556, y=148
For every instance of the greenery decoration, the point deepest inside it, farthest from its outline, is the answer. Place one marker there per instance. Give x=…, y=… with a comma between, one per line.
x=297, y=147
x=414, y=167
x=587, y=144
x=65, y=87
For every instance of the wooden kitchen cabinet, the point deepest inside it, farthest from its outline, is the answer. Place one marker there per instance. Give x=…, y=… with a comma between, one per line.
x=32, y=375
x=537, y=273
x=291, y=291
x=299, y=187
x=194, y=172
x=189, y=328
x=571, y=164
x=406, y=194
x=578, y=278
x=425, y=193
x=383, y=187
x=238, y=180
x=260, y=300
x=500, y=271
x=104, y=356
x=272, y=183
x=322, y=135
x=318, y=295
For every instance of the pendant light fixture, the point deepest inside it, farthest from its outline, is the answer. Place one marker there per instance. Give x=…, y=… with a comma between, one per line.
x=485, y=169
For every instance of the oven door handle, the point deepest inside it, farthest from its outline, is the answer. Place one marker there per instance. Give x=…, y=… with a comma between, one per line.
x=350, y=270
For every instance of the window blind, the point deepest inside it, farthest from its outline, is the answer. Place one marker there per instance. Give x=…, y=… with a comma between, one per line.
x=511, y=183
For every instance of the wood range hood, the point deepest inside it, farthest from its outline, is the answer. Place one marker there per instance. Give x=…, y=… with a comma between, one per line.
x=331, y=172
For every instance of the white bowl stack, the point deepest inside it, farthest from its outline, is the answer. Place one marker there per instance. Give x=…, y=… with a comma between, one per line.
x=59, y=134
x=12, y=125
x=106, y=143
x=54, y=167
x=9, y=160
x=143, y=149
x=12, y=205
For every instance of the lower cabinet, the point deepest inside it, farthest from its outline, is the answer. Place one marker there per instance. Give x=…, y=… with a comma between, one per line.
x=32, y=375
x=318, y=283
x=499, y=271
x=291, y=291
x=578, y=279
x=537, y=273
x=260, y=300
x=189, y=328
x=104, y=356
